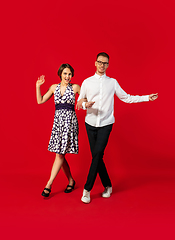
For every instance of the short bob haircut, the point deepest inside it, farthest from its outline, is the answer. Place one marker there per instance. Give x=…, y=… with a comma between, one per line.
x=103, y=54
x=63, y=66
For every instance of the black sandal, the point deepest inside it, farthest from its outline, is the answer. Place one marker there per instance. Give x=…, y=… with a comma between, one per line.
x=46, y=194
x=70, y=188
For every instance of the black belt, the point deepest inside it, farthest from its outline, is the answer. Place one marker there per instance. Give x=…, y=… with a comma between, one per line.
x=67, y=106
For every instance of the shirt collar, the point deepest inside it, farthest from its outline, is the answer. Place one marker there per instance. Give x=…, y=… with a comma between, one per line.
x=98, y=76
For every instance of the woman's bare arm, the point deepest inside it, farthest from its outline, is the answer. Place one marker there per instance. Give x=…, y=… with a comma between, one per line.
x=42, y=99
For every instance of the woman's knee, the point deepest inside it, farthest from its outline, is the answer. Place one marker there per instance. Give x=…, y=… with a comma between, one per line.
x=59, y=157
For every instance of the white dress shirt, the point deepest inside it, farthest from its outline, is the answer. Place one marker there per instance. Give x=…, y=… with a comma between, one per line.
x=101, y=90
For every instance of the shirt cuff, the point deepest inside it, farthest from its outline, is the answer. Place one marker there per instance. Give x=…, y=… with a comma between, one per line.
x=83, y=106
x=146, y=98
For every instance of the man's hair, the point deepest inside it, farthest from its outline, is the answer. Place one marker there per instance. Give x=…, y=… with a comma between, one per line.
x=103, y=54
x=63, y=66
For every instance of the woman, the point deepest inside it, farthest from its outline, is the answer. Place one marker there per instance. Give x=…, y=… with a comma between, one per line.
x=64, y=136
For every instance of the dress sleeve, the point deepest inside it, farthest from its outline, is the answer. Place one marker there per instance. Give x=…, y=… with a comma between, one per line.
x=127, y=98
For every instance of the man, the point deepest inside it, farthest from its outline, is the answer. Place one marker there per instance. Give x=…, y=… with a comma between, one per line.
x=99, y=91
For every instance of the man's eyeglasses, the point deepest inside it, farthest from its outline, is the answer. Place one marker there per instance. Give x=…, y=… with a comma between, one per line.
x=102, y=63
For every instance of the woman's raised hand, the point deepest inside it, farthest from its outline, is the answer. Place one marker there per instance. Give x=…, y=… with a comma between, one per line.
x=40, y=81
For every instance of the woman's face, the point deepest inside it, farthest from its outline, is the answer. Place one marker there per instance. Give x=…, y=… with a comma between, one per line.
x=66, y=75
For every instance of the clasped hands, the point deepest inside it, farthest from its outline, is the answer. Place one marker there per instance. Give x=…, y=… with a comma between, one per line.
x=87, y=104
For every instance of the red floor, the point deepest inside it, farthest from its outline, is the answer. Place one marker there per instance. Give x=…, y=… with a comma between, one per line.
x=141, y=207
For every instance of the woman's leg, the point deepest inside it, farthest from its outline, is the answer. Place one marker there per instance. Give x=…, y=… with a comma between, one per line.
x=66, y=169
x=59, y=159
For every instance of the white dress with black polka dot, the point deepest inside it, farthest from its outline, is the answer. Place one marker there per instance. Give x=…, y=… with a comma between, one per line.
x=64, y=136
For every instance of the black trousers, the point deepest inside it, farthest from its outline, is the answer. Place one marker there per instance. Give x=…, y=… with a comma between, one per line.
x=98, y=139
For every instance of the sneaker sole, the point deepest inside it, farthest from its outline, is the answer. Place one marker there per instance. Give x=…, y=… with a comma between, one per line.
x=106, y=196
x=85, y=201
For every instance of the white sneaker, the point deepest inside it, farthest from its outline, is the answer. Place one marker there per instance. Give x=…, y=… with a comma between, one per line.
x=86, y=196
x=107, y=192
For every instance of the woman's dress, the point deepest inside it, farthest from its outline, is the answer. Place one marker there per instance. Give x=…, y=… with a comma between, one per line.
x=64, y=136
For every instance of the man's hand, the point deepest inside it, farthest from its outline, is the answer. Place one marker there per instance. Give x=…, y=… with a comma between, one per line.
x=153, y=96
x=89, y=104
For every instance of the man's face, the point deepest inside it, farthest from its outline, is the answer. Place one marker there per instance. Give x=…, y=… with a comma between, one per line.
x=101, y=65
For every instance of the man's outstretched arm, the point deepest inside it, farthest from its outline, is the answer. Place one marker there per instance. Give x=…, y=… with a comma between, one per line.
x=127, y=98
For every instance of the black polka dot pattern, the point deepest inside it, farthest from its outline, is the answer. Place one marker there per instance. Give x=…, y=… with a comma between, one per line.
x=64, y=136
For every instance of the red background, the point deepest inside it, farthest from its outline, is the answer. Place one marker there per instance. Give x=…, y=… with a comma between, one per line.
x=36, y=38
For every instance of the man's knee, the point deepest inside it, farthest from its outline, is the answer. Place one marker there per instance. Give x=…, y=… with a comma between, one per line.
x=98, y=154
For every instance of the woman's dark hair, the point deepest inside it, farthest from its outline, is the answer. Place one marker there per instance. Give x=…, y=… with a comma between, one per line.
x=103, y=54
x=63, y=66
